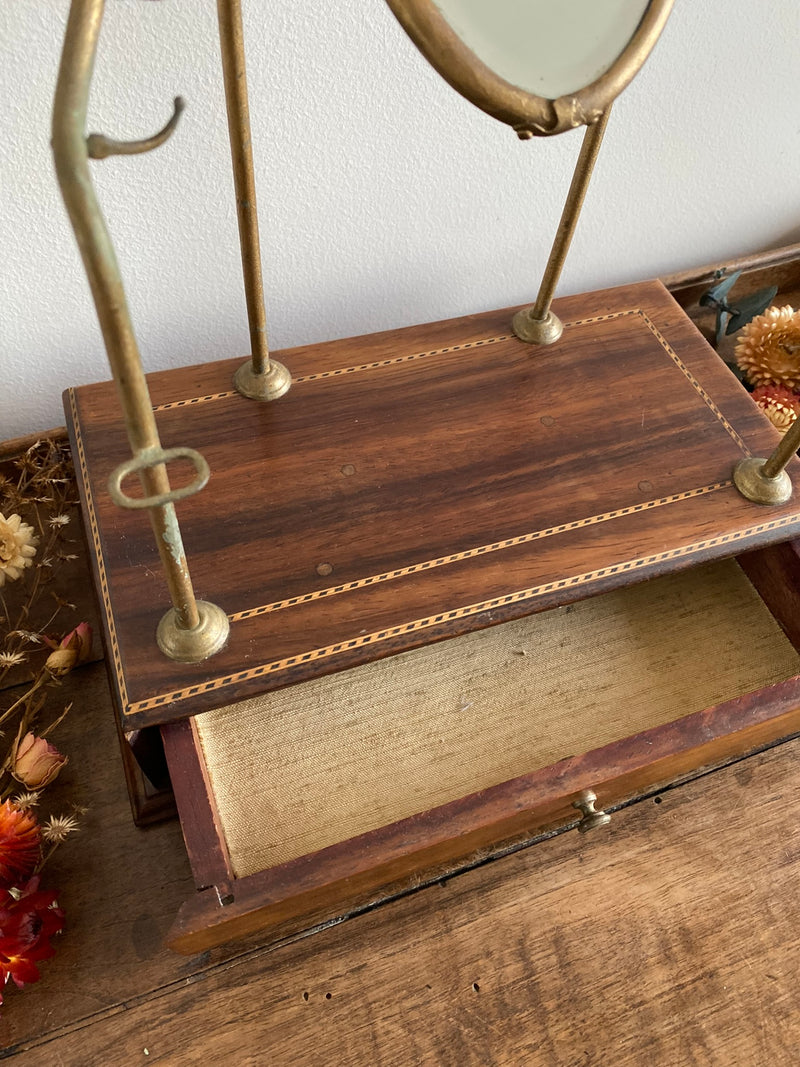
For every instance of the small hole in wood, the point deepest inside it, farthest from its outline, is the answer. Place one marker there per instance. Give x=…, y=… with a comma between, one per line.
x=328, y=996
x=305, y=996
x=476, y=987
x=656, y=800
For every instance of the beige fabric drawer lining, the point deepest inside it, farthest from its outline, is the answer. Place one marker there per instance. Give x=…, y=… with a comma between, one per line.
x=321, y=762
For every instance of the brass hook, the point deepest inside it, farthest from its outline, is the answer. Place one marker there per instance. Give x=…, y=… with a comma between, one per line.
x=192, y=630
x=100, y=147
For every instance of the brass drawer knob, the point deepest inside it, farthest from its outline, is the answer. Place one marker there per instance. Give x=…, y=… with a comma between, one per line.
x=591, y=817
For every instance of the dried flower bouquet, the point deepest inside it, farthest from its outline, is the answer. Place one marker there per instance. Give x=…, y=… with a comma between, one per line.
x=37, y=502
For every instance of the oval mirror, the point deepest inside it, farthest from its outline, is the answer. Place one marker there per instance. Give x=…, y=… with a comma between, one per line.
x=539, y=65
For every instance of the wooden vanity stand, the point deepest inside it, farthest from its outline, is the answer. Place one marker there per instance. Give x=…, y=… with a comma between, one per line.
x=470, y=582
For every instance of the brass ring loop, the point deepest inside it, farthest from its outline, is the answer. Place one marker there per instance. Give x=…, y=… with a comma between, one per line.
x=153, y=457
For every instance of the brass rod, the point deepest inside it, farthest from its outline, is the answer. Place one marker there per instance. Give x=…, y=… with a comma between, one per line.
x=72, y=168
x=587, y=157
x=786, y=448
x=231, y=36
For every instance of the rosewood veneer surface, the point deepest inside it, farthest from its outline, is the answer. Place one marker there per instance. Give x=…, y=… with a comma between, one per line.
x=422, y=483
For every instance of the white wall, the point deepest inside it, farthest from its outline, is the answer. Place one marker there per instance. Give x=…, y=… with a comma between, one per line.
x=384, y=198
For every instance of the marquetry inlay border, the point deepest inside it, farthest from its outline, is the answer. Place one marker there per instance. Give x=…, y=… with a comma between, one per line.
x=416, y=625
x=470, y=553
x=484, y=342
x=340, y=371
x=94, y=533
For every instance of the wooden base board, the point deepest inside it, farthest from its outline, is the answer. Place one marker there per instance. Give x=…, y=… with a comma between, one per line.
x=422, y=484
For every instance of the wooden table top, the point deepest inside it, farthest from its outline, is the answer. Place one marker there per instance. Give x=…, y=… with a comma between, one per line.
x=672, y=937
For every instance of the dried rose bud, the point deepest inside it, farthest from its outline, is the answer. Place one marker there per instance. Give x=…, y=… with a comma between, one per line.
x=82, y=636
x=72, y=650
x=36, y=762
x=61, y=661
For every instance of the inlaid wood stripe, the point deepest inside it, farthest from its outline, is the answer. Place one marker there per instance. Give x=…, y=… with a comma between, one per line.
x=94, y=530
x=471, y=553
x=482, y=342
x=448, y=616
x=189, y=401
x=698, y=388
x=403, y=359
x=393, y=362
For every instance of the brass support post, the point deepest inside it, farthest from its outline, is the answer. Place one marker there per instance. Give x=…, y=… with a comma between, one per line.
x=538, y=324
x=765, y=481
x=260, y=378
x=192, y=630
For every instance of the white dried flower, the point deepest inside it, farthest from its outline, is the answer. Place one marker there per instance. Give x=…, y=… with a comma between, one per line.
x=59, y=520
x=11, y=659
x=58, y=828
x=27, y=635
x=17, y=547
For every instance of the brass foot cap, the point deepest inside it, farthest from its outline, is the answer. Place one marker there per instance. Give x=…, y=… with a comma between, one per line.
x=274, y=382
x=193, y=646
x=754, y=485
x=537, y=331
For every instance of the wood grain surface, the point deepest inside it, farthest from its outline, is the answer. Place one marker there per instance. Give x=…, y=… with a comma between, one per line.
x=422, y=483
x=670, y=938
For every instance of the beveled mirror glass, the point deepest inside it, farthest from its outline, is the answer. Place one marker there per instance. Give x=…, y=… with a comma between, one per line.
x=540, y=66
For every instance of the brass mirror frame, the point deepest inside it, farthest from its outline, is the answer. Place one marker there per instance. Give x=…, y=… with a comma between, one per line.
x=529, y=115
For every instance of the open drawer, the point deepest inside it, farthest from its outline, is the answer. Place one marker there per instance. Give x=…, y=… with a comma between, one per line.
x=319, y=799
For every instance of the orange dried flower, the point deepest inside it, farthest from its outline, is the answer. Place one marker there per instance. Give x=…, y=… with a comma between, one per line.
x=779, y=404
x=20, y=842
x=768, y=349
x=36, y=762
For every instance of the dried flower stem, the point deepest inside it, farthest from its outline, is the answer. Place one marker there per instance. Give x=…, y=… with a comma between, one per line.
x=44, y=490
x=42, y=679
